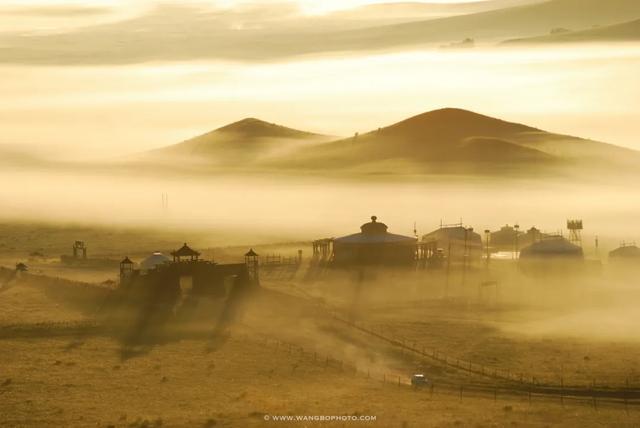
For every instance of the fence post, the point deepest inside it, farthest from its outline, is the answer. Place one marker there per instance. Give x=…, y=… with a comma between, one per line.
x=626, y=403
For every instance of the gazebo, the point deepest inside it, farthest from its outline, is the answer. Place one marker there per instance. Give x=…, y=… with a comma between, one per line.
x=186, y=253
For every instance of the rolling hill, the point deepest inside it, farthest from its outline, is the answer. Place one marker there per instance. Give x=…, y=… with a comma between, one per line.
x=174, y=33
x=491, y=26
x=239, y=143
x=455, y=140
x=627, y=31
x=414, y=11
x=447, y=141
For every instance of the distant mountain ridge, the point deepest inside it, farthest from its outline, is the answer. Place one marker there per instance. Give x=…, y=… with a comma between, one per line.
x=439, y=139
x=243, y=141
x=527, y=20
x=447, y=140
x=210, y=35
x=627, y=31
x=252, y=127
x=420, y=10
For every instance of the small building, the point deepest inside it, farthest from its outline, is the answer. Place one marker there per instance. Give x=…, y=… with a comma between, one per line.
x=552, y=256
x=555, y=247
x=456, y=242
x=505, y=237
x=626, y=252
x=127, y=270
x=185, y=253
x=187, y=275
x=374, y=245
x=510, y=238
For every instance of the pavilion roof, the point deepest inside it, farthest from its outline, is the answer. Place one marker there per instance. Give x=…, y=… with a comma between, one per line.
x=185, y=251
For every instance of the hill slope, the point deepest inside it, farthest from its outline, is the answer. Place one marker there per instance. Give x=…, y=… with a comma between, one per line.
x=241, y=142
x=492, y=26
x=454, y=140
x=182, y=33
x=414, y=11
x=627, y=31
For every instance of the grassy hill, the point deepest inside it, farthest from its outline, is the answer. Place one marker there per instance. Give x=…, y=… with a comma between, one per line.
x=627, y=31
x=241, y=142
x=454, y=140
x=522, y=21
x=448, y=140
x=414, y=11
x=181, y=33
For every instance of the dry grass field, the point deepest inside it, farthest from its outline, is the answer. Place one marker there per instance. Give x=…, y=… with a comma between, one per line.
x=285, y=356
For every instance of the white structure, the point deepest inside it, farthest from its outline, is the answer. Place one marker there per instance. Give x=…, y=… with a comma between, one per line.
x=153, y=260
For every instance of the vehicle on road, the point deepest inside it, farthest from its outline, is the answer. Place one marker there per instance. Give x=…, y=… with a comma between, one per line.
x=419, y=380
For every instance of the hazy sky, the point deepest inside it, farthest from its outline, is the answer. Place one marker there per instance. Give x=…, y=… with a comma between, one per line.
x=307, y=5
x=114, y=109
x=57, y=15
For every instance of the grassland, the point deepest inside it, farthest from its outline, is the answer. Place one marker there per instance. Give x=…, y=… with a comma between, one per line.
x=286, y=355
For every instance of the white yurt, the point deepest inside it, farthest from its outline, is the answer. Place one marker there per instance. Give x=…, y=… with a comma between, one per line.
x=153, y=260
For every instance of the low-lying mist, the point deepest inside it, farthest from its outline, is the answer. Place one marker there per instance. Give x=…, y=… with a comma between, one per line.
x=564, y=89
x=284, y=207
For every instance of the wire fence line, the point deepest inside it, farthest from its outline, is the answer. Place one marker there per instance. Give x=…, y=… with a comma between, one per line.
x=461, y=389
x=504, y=378
x=509, y=379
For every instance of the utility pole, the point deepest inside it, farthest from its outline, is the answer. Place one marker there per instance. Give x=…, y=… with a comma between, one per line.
x=517, y=229
x=446, y=290
x=465, y=255
x=487, y=237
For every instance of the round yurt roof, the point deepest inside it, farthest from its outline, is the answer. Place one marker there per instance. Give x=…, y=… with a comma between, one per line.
x=154, y=260
x=626, y=251
x=554, y=247
x=374, y=232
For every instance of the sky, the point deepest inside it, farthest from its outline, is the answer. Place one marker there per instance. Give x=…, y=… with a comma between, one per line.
x=93, y=110
x=306, y=5
x=58, y=15
x=111, y=110
x=227, y=3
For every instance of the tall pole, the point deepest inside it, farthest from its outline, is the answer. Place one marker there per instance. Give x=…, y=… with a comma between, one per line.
x=487, y=234
x=446, y=290
x=517, y=228
x=465, y=255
